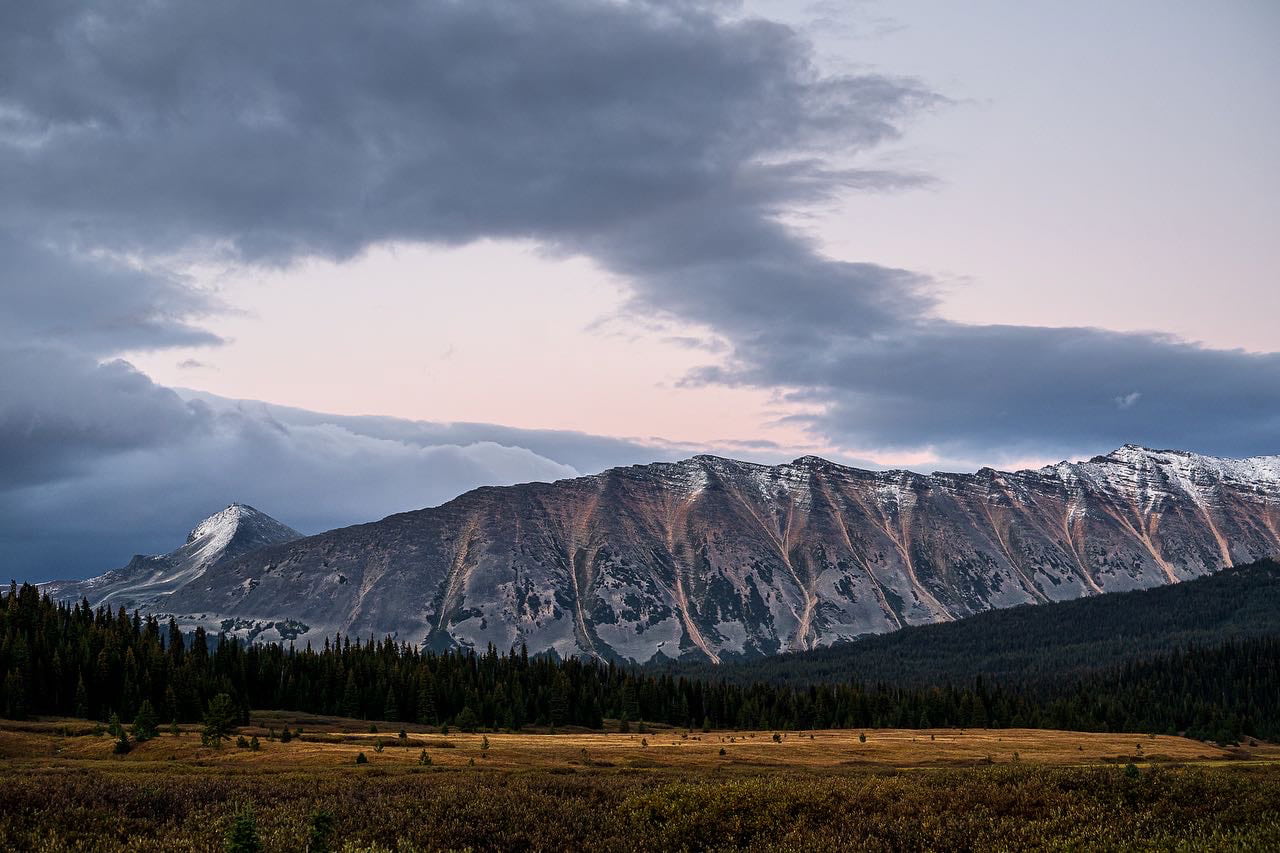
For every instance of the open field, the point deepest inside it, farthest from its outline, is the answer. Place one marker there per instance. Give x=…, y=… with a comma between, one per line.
x=62, y=788
x=329, y=742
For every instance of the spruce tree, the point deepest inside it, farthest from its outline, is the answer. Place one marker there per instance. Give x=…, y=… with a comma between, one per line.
x=82, y=699
x=218, y=720
x=467, y=720
x=144, y=725
x=351, y=697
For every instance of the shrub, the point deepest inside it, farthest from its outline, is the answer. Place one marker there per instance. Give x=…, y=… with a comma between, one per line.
x=242, y=835
x=319, y=831
x=424, y=759
x=361, y=758
x=377, y=745
x=253, y=743
x=242, y=742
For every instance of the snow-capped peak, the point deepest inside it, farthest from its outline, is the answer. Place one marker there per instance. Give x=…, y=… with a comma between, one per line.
x=227, y=521
x=223, y=536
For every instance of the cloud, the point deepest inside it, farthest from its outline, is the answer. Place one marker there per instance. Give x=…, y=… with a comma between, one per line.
x=61, y=295
x=1127, y=401
x=300, y=127
x=661, y=139
x=100, y=463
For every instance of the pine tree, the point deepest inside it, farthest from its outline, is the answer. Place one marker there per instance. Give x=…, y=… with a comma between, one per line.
x=15, y=695
x=390, y=711
x=218, y=720
x=144, y=725
x=426, y=702
x=82, y=699
x=351, y=697
x=560, y=701
x=467, y=720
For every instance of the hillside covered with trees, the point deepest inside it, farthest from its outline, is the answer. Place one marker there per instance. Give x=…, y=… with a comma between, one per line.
x=1038, y=643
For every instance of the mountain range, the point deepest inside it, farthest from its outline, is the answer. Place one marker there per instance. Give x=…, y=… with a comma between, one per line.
x=712, y=559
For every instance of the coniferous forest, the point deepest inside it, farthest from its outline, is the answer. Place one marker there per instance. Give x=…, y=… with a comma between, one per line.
x=72, y=660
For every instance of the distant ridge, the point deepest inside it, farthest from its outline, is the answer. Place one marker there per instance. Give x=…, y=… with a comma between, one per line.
x=712, y=559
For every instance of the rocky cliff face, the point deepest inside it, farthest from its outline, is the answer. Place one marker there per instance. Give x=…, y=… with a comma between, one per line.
x=715, y=558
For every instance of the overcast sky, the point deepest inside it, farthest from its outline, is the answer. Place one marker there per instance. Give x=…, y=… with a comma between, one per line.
x=338, y=259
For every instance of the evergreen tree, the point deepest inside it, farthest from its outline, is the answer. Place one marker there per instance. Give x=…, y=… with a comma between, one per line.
x=145, y=723
x=218, y=720
x=15, y=696
x=559, y=701
x=467, y=720
x=351, y=697
x=426, y=702
x=82, y=699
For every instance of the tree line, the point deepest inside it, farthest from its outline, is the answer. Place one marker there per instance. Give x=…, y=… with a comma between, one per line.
x=74, y=660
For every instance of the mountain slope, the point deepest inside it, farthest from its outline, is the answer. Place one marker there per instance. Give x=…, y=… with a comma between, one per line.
x=1048, y=643
x=222, y=537
x=710, y=558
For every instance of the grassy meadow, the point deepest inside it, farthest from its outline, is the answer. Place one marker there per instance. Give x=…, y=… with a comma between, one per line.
x=62, y=788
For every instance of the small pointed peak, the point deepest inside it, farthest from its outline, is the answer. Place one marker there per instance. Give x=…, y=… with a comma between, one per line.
x=811, y=461
x=230, y=519
x=1135, y=451
x=708, y=458
x=1123, y=453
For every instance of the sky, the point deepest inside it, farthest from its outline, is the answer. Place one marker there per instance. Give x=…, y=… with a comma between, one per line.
x=338, y=260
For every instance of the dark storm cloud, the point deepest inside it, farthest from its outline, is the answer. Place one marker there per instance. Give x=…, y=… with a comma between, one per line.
x=63, y=297
x=1029, y=391
x=658, y=138
x=300, y=127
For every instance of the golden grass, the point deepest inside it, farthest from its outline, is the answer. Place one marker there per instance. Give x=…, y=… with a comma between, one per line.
x=330, y=743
